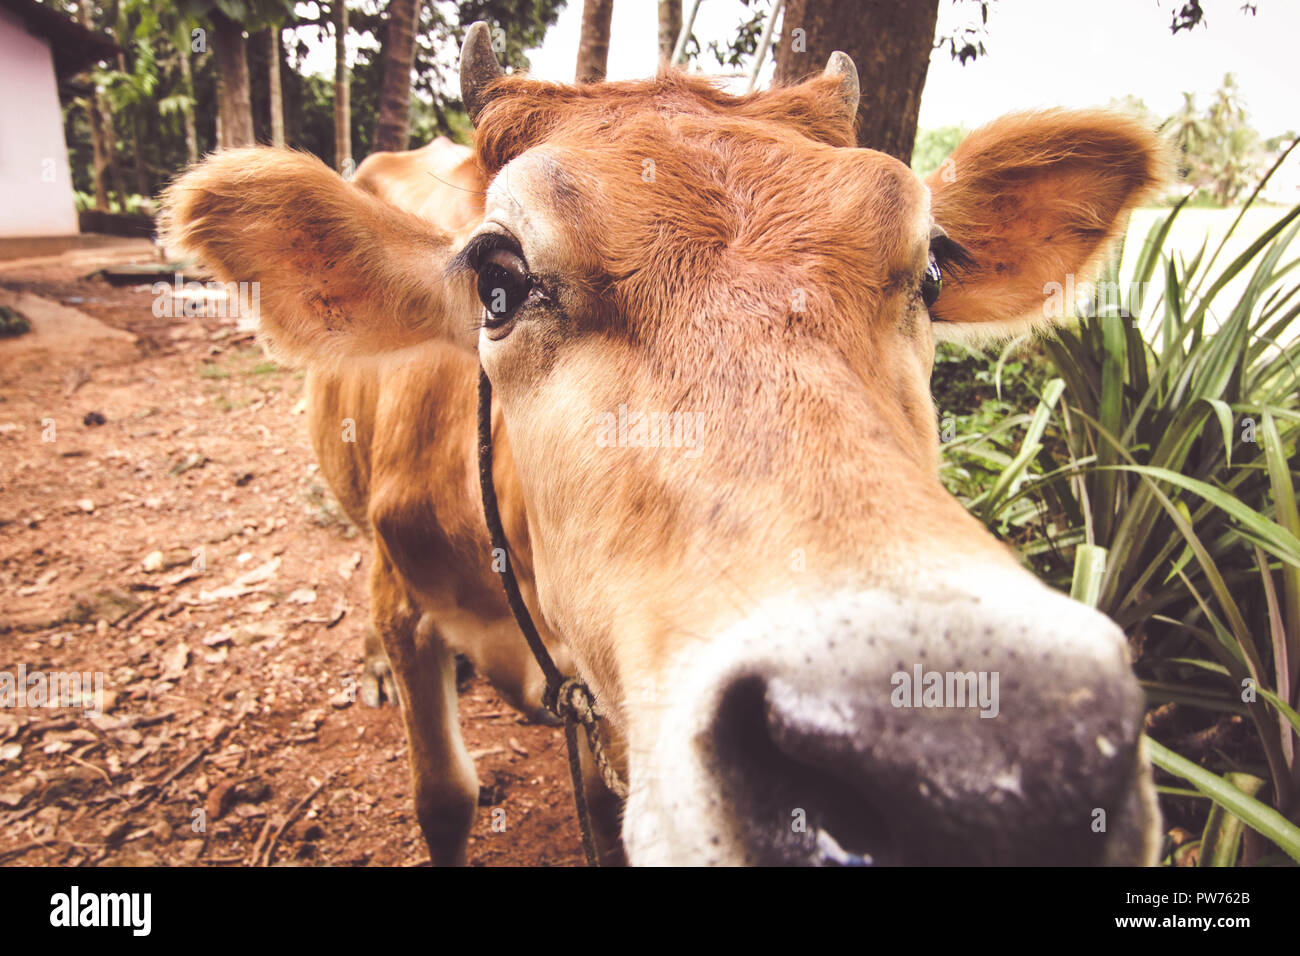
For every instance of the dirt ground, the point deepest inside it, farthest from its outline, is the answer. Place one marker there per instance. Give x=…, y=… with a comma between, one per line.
x=162, y=523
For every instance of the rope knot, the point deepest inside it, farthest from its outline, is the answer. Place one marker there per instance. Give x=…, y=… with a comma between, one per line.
x=573, y=701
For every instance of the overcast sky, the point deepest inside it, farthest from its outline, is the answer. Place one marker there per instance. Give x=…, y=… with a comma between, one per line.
x=1040, y=53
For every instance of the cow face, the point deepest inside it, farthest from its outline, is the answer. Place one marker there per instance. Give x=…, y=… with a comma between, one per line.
x=710, y=323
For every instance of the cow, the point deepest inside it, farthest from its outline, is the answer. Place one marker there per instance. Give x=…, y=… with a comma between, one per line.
x=806, y=649
x=441, y=182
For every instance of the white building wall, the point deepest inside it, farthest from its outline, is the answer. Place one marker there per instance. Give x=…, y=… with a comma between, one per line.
x=35, y=181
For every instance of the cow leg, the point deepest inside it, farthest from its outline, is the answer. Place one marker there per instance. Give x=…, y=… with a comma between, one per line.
x=377, y=684
x=442, y=774
x=502, y=655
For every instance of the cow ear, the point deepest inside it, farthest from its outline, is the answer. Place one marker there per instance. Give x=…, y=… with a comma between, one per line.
x=1034, y=198
x=337, y=272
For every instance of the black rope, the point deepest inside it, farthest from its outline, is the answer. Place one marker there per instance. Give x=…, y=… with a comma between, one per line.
x=500, y=547
x=554, y=679
x=580, y=792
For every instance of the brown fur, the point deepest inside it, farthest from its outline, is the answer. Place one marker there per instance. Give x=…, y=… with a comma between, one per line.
x=679, y=291
x=523, y=112
x=367, y=275
x=440, y=182
x=409, y=478
x=1036, y=196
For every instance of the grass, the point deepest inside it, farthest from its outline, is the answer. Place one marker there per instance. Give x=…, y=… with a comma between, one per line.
x=13, y=323
x=213, y=370
x=247, y=362
x=1192, y=229
x=1155, y=477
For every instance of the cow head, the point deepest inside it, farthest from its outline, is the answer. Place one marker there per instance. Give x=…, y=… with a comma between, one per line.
x=710, y=323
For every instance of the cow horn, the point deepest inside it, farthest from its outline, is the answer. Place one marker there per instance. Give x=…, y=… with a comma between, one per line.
x=478, y=68
x=841, y=65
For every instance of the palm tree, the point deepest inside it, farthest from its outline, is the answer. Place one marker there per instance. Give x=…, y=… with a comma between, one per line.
x=182, y=41
x=593, y=47
x=393, y=127
x=275, y=93
x=342, y=91
x=670, y=24
x=1188, y=132
x=229, y=19
x=890, y=41
x=102, y=136
x=1219, y=151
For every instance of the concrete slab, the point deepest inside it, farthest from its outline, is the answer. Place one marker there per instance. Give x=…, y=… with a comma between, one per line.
x=60, y=335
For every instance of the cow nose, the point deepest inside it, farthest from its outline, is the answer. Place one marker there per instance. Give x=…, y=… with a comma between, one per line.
x=963, y=752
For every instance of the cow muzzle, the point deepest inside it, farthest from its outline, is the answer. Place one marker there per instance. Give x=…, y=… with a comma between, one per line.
x=879, y=728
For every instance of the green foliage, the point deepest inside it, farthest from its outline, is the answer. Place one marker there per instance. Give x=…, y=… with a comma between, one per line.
x=146, y=94
x=254, y=15
x=1188, y=14
x=933, y=146
x=1172, y=457
x=742, y=42
x=1234, y=806
x=965, y=42
x=436, y=106
x=982, y=400
x=1220, y=154
x=135, y=203
x=149, y=96
x=12, y=323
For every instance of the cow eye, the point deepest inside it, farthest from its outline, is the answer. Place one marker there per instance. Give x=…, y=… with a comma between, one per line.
x=931, y=282
x=503, y=285
x=946, y=257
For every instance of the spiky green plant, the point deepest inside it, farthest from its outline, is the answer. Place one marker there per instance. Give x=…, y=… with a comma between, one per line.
x=1162, y=471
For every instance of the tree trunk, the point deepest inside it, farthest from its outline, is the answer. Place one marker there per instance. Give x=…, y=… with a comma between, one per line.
x=889, y=40
x=342, y=102
x=440, y=122
x=393, y=128
x=187, y=111
x=216, y=121
x=97, y=147
x=273, y=85
x=670, y=24
x=110, y=148
x=103, y=138
x=143, y=186
x=593, y=48
x=234, y=100
x=139, y=168
x=96, y=120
